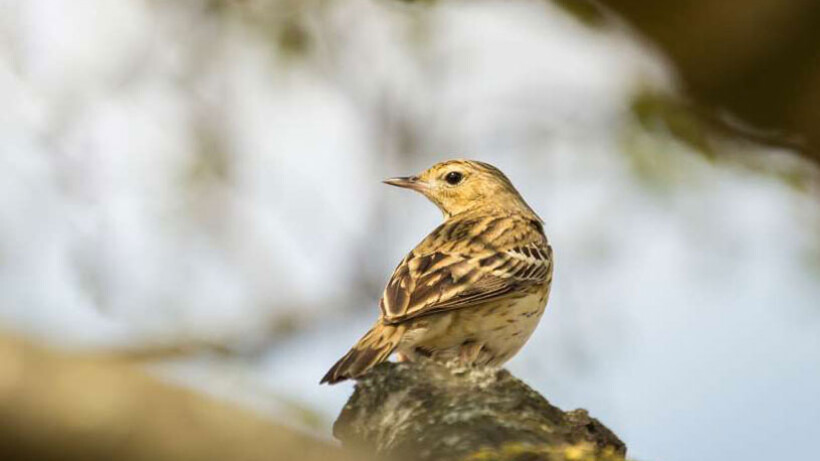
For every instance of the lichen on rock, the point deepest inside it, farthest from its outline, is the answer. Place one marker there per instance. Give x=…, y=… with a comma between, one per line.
x=429, y=411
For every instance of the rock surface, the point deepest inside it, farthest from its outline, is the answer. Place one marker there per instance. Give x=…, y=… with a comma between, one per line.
x=428, y=411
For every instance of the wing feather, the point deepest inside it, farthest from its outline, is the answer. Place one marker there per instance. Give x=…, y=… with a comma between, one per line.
x=456, y=266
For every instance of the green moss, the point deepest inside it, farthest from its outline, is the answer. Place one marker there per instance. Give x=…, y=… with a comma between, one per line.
x=522, y=452
x=445, y=412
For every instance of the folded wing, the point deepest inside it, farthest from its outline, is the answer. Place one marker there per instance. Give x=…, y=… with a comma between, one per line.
x=445, y=273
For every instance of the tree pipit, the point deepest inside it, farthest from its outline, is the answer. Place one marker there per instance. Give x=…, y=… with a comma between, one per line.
x=474, y=289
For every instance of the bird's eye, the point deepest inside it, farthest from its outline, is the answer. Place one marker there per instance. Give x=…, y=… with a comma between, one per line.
x=453, y=178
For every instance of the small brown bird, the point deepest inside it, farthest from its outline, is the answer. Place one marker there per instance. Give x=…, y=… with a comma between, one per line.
x=472, y=291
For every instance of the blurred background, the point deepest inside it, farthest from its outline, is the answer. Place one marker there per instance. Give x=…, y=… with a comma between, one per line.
x=194, y=187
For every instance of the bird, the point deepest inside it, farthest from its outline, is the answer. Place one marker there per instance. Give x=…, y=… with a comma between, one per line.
x=473, y=291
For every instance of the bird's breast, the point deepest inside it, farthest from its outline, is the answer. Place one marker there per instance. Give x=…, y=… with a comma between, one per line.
x=502, y=326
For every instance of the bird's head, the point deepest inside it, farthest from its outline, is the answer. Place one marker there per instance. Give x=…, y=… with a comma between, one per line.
x=457, y=186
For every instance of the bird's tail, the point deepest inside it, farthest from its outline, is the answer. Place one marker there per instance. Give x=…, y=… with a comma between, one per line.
x=374, y=348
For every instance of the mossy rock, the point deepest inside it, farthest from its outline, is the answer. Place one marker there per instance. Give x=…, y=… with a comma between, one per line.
x=427, y=411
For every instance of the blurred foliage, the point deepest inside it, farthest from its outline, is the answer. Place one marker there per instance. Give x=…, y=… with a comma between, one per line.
x=285, y=23
x=758, y=60
x=666, y=116
x=655, y=162
x=587, y=12
x=660, y=141
x=211, y=165
x=658, y=111
x=797, y=173
x=811, y=259
x=293, y=38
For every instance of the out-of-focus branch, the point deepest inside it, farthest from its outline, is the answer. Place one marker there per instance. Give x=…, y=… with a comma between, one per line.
x=280, y=327
x=56, y=406
x=425, y=411
x=757, y=60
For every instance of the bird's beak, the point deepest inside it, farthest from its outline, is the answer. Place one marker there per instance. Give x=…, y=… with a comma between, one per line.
x=408, y=182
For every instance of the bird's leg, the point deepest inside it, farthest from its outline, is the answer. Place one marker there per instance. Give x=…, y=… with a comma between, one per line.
x=469, y=351
x=401, y=357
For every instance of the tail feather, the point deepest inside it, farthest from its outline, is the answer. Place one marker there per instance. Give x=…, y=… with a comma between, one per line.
x=374, y=348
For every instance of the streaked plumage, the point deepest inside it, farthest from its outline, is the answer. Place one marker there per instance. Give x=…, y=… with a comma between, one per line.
x=474, y=289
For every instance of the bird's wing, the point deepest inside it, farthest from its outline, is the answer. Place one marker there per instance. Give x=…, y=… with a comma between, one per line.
x=464, y=263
